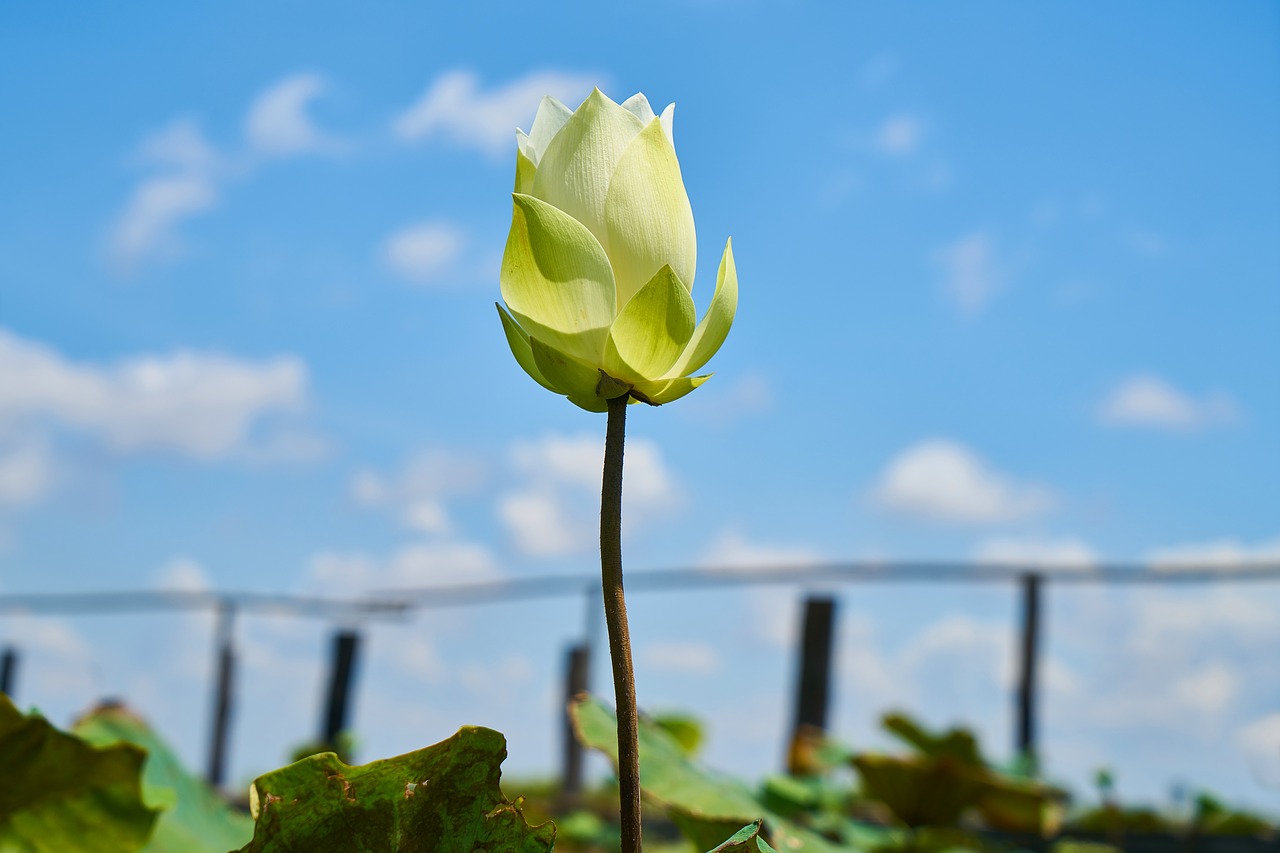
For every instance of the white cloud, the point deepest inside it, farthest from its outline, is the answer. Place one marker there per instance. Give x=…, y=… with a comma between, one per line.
x=751, y=394
x=147, y=227
x=455, y=107
x=1259, y=742
x=278, y=124
x=899, y=135
x=681, y=658
x=1149, y=401
x=1063, y=553
x=878, y=70
x=182, y=574
x=941, y=480
x=971, y=271
x=1207, y=691
x=188, y=174
x=181, y=145
x=1217, y=554
x=556, y=509
x=541, y=525
x=416, y=493
x=426, y=252
x=202, y=404
x=1147, y=243
x=497, y=682
x=422, y=564
x=26, y=471
x=731, y=550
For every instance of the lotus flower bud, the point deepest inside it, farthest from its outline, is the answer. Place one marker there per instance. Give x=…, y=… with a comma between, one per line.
x=598, y=269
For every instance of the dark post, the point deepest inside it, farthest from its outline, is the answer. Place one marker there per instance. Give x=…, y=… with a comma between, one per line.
x=1026, y=738
x=344, y=661
x=8, y=670
x=224, y=674
x=575, y=682
x=813, y=687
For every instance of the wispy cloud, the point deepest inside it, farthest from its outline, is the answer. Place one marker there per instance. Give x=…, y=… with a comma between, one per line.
x=425, y=252
x=278, y=122
x=415, y=565
x=418, y=490
x=551, y=512
x=732, y=550
x=188, y=175
x=971, y=270
x=200, y=404
x=1035, y=551
x=147, y=228
x=1148, y=401
x=899, y=135
x=720, y=404
x=680, y=658
x=1226, y=553
x=455, y=107
x=26, y=471
x=942, y=480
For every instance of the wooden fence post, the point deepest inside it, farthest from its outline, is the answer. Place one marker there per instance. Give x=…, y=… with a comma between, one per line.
x=8, y=670
x=576, y=680
x=813, y=684
x=224, y=687
x=344, y=661
x=1025, y=743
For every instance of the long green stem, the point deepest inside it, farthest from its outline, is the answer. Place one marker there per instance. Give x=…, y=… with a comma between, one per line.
x=615, y=616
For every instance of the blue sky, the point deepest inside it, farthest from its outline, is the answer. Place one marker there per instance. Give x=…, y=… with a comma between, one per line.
x=1009, y=291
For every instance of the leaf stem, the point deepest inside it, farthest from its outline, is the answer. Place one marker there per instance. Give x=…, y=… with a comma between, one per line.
x=615, y=615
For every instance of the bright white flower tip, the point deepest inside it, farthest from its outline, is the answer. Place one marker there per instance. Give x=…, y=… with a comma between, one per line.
x=599, y=263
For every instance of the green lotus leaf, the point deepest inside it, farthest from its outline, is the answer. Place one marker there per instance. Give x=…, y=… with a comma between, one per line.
x=556, y=279
x=195, y=817
x=705, y=806
x=443, y=798
x=745, y=840
x=652, y=331
x=59, y=794
x=647, y=214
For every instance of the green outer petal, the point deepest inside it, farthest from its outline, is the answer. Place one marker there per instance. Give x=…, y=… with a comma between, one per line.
x=647, y=214
x=574, y=171
x=715, y=324
x=525, y=171
x=551, y=116
x=656, y=392
x=652, y=331
x=591, y=404
x=520, y=348
x=567, y=375
x=556, y=279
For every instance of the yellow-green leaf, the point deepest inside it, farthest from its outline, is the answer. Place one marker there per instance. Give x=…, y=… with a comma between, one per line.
x=647, y=214
x=715, y=324
x=652, y=331
x=556, y=279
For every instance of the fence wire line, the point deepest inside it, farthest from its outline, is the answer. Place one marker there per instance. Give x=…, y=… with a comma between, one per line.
x=392, y=603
